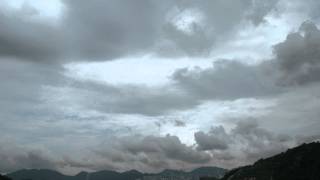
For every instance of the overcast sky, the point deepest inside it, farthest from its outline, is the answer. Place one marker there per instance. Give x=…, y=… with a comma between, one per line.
x=150, y=85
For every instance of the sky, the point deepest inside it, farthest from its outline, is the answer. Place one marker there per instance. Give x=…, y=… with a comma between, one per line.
x=152, y=85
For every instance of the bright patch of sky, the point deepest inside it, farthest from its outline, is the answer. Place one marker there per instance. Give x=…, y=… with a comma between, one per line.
x=148, y=70
x=185, y=20
x=254, y=44
x=212, y=114
x=44, y=8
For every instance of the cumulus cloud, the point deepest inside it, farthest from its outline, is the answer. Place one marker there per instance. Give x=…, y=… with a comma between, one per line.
x=216, y=139
x=13, y=157
x=298, y=57
x=152, y=152
x=243, y=144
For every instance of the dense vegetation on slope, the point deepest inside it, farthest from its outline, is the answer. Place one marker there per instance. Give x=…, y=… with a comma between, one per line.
x=300, y=163
x=4, y=177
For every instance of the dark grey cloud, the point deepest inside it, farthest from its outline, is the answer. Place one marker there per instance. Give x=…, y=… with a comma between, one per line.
x=216, y=139
x=22, y=37
x=14, y=157
x=31, y=160
x=108, y=29
x=243, y=144
x=298, y=57
x=226, y=80
x=152, y=152
x=128, y=99
x=216, y=24
x=179, y=123
x=104, y=30
x=170, y=146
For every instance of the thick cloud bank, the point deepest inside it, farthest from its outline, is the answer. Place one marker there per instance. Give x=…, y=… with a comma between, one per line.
x=104, y=30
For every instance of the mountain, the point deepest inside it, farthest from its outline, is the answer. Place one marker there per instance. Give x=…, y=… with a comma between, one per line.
x=171, y=172
x=81, y=176
x=38, y=174
x=209, y=172
x=43, y=174
x=133, y=174
x=300, y=163
x=4, y=177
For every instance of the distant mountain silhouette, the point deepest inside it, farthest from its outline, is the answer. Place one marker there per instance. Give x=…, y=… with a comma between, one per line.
x=171, y=172
x=44, y=174
x=38, y=174
x=300, y=163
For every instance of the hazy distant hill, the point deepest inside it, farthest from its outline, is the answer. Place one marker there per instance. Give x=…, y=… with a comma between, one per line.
x=300, y=163
x=199, y=172
x=209, y=172
x=44, y=174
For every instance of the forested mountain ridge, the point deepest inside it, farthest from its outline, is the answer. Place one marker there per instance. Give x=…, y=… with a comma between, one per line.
x=299, y=163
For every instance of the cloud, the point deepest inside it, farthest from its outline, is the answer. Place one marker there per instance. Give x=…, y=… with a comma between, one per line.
x=226, y=80
x=243, y=144
x=105, y=30
x=22, y=85
x=109, y=29
x=216, y=139
x=295, y=112
x=127, y=99
x=152, y=152
x=14, y=157
x=298, y=57
x=211, y=25
x=179, y=123
x=308, y=8
x=22, y=37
